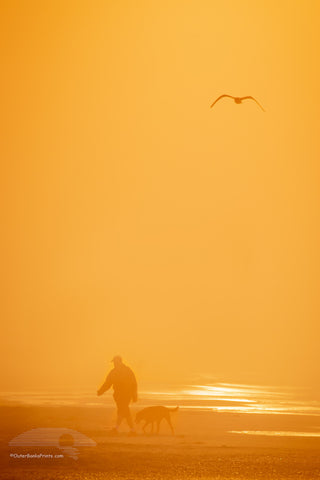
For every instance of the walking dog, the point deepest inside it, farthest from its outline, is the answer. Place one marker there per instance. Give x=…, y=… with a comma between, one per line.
x=151, y=415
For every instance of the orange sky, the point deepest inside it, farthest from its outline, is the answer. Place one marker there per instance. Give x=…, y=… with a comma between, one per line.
x=138, y=220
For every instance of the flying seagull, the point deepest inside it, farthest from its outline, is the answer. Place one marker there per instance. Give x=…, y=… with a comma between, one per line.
x=238, y=100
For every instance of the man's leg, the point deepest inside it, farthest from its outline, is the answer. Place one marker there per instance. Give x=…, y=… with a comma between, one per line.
x=124, y=412
x=129, y=418
x=120, y=415
x=119, y=418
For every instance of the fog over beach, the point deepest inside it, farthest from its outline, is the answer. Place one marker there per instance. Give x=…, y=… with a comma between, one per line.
x=160, y=190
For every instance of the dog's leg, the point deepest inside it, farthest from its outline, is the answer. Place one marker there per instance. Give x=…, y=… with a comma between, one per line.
x=158, y=425
x=169, y=422
x=144, y=427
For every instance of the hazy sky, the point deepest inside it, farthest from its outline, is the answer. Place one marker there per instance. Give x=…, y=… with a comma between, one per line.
x=139, y=221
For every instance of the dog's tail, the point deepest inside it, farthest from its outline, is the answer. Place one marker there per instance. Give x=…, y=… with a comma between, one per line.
x=173, y=409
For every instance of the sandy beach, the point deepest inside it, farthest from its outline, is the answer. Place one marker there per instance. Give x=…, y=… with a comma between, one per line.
x=202, y=447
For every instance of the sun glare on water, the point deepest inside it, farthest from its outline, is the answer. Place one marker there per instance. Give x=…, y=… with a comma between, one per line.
x=237, y=398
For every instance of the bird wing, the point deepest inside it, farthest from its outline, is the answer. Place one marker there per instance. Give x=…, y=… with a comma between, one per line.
x=252, y=98
x=221, y=96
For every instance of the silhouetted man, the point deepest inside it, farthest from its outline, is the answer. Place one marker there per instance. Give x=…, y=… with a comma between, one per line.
x=124, y=385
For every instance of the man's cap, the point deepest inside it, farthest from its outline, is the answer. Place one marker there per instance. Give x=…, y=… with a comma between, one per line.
x=117, y=358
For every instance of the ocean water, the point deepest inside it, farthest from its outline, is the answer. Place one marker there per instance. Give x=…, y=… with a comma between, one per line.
x=298, y=406
x=216, y=397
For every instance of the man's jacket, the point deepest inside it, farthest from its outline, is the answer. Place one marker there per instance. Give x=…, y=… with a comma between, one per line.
x=123, y=381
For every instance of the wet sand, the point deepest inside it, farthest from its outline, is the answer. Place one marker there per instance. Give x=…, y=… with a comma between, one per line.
x=202, y=447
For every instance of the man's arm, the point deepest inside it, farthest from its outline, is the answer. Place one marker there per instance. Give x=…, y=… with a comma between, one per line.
x=107, y=384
